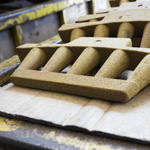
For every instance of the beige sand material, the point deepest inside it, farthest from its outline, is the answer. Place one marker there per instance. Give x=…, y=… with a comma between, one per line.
x=91, y=52
x=94, y=18
x=101, y=31
x=146, y=36
x=89, y=59
x=124, y=5
x=134, y=5
x=35, y=58
x=60, y=59
x=126, y=30
x=117, y=62
x=121, y=23
x=141, y=74
x=77, y=33
x=81, y=43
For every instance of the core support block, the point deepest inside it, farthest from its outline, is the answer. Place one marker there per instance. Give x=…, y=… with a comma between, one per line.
x=83, y=55
x=126, y=23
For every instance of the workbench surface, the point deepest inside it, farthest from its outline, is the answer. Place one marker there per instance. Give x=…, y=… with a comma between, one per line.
x=26, y=135
x=22, y=134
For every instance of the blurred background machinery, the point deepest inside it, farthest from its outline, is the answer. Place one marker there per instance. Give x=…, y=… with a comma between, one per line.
x=34, y=21
x=24, y=21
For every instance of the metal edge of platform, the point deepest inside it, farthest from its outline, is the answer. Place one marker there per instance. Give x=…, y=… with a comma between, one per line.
x=20, y=16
